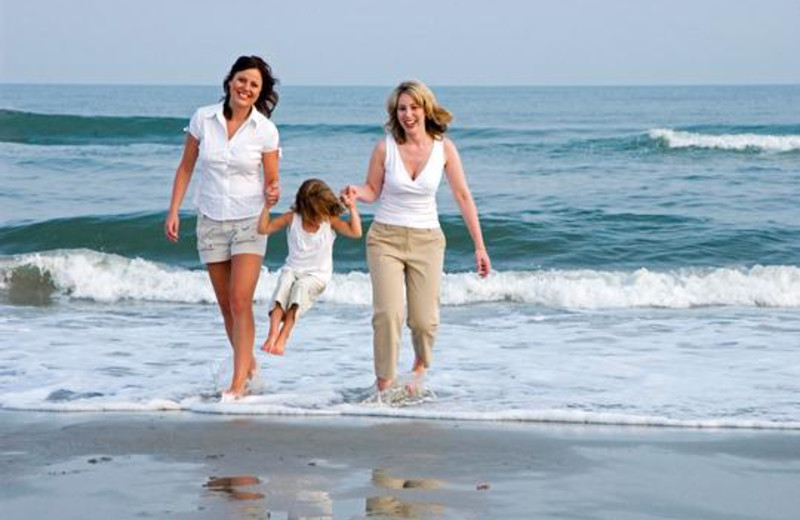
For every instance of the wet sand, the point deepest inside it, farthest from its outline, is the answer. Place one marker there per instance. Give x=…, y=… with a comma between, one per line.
x=181, y=466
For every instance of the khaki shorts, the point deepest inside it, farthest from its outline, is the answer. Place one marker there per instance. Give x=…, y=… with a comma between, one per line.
x=296, y=289
x=219, y=240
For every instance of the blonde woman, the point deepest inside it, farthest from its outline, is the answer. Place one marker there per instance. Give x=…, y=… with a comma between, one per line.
x=405, y=243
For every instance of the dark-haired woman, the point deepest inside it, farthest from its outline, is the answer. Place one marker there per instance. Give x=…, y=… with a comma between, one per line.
x=405, y=244
x=237, y=145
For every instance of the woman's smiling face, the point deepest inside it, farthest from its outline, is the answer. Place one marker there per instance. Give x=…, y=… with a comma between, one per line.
x=245, y=87
x=410, y=113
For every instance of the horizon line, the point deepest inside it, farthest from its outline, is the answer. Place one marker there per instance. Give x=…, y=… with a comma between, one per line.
x=442, y=85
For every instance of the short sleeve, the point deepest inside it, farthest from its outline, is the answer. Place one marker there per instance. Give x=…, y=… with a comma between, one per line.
x=271, y=139
x=196, y=126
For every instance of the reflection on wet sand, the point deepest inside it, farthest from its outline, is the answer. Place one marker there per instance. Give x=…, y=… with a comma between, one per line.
x=382, y=478
x=299, y=497
x=293, y=497
x=288, y=495
x=230, y=486
x=388, y=505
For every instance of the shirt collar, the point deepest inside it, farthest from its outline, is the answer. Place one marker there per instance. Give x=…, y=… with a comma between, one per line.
x=253, y=119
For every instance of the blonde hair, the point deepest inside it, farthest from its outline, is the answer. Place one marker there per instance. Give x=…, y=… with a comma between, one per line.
x=315, y=201
x=436, y=116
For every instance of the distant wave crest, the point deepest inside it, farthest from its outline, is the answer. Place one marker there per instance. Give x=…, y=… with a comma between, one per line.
x=64, y=129
x=737, y=142
x=86, y=274
x=33, y=128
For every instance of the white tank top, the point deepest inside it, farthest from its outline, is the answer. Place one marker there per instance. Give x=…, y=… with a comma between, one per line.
x=310, y=253
x=407, y=202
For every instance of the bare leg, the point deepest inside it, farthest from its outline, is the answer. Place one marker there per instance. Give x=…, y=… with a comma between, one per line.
x=245, y=270
x=220, y=274
x=275, y=319
x=288, y=323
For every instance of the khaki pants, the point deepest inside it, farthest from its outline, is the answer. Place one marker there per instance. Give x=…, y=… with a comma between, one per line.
x=402, y=258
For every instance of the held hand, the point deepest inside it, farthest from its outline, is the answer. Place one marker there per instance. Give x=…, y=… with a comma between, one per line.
x=172, y=226
x=272, y=194
x=483, y=263
x=348, y=201
x=350, y=192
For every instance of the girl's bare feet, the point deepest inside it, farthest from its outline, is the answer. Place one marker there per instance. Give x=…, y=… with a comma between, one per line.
x=278, y=347
x=269, y=343
x=274, y=346
x=267, y=346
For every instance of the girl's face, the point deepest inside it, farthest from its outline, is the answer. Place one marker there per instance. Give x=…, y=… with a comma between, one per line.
x=410, y=114
x=245, y=87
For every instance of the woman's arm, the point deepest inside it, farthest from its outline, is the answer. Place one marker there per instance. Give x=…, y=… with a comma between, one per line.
x=371, y=189
x=183, y=175
x=458, y=184
x=272, y=187
x=349, y=228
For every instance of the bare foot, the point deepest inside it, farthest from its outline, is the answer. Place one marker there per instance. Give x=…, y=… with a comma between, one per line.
x=229, y=396
x=268, y=345
x=383, y=384
x=253, y=374
x=417, y=383
x=254, y=383
x=278, y=348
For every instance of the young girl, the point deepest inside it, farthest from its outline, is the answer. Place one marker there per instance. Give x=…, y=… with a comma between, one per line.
x=313, y=223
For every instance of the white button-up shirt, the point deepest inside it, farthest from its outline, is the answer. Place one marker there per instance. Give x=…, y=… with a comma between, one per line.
x=231, y=183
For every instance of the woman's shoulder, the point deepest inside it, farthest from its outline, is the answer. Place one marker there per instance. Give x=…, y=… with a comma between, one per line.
x=208, y=110
x=380, y=146
x=449, y=146
x=264, y=122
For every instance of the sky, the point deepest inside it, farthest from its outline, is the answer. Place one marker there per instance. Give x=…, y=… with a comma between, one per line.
x=378, y=42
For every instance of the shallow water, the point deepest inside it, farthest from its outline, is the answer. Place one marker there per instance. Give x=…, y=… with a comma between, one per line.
x=644, y=240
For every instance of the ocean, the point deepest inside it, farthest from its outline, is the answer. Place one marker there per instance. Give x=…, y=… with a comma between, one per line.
x=645, y=244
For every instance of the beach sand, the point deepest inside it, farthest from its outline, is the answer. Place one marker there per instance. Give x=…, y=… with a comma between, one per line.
x=181, y=466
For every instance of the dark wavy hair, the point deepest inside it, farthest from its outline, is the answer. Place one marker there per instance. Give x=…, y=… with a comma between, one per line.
x=267, y=99
x=315, y=201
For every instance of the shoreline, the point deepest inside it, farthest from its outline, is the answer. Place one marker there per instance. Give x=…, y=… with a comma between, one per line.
x=179, y=465
x=253, y=407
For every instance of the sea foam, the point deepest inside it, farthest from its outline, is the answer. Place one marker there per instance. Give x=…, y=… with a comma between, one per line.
x=736, y=142
x=277, y=405
x=107, y=278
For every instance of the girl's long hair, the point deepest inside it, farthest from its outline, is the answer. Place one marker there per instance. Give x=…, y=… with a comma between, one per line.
x=315, y=201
